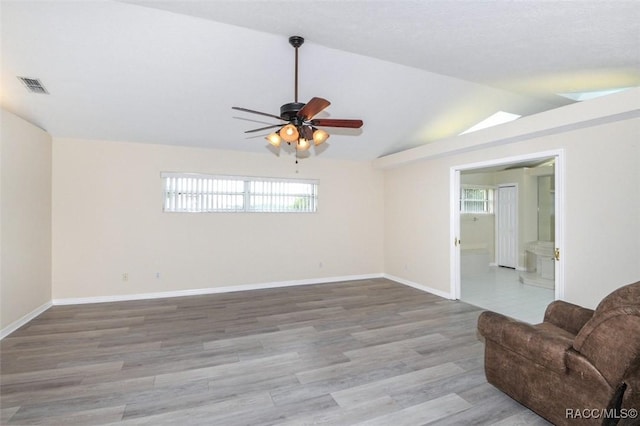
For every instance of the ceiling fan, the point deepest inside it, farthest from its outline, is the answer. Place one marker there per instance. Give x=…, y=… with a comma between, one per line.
x=299, y=127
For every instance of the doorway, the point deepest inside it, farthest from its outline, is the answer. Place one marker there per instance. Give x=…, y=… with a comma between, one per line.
x=518, y=225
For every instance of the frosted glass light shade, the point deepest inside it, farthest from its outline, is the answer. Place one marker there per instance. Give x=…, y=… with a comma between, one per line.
x=303, y=145
x=289, y=133
x=320, y=136
x=274, y=139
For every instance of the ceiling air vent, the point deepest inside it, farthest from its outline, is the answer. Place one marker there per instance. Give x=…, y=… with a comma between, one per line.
x=33, y=85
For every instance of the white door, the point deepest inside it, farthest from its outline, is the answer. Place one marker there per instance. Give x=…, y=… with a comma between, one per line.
x=506, y=225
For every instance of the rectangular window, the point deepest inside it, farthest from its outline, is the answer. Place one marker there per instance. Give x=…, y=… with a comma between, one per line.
x=197, y=193
x=476, y=200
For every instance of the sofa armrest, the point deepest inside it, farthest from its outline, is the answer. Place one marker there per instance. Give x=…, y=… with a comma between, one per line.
x=539, y=346
x=567, y=316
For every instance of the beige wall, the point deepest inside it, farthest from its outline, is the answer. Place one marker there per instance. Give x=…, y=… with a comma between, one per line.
x=108, y=220
x=602, y=230
x=25, y=218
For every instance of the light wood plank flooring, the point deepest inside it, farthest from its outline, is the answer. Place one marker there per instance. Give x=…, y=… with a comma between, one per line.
x=363, y=352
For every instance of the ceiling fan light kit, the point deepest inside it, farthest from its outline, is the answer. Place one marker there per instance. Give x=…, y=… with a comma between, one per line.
x=320, y=136
x=303, y=145
x=289, y=133
x=274, y=139
x=300, y=127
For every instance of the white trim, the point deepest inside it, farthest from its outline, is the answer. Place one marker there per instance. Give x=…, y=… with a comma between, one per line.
x=511, y=160
x=454, y=232
x=22, y=321
x=422, y=287
x=560, y=211
x=211, y=290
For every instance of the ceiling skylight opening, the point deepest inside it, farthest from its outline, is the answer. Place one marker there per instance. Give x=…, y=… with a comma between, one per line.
x=585, y=96
x=499, y=117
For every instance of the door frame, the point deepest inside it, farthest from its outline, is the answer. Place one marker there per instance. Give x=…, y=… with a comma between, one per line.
x=454, y=208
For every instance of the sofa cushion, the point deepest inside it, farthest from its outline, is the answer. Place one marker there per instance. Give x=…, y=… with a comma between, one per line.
x=567, y=316
x=611, y=342
x=544, y=345
x=550, y=328
x=628, y=295
x=611, y=338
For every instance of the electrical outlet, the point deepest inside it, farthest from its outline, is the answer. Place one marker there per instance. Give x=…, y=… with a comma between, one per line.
x=157, y=275
x=125, y=276
x=320, y=265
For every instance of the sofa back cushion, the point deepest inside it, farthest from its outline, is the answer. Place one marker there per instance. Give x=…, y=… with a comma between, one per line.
x=611, y=338
x=628, y=295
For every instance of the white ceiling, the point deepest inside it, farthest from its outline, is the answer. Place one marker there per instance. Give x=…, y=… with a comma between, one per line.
x=415, y=71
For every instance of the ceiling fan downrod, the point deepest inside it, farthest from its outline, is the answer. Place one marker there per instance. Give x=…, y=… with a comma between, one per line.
x=296, y=42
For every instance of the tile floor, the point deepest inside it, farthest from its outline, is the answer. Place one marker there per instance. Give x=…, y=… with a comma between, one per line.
x=500, y=290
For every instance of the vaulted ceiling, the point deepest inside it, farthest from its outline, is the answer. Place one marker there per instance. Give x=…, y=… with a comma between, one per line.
x=415, y=71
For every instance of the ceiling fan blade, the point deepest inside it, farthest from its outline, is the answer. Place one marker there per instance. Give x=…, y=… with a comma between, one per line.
x=257, y=112
x=264, y=128
x=314, y=106
x=335, y=122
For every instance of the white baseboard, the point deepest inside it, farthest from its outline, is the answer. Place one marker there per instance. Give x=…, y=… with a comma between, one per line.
x=211, y=290
x=22, y=321
x=422, y=287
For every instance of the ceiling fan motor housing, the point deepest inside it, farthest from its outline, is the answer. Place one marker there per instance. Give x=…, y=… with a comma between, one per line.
x=289, y=112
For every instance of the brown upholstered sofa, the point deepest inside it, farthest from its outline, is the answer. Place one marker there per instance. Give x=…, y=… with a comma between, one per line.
x=575, y=364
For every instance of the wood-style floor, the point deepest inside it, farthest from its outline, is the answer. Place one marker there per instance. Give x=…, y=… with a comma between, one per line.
x=372, y=352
